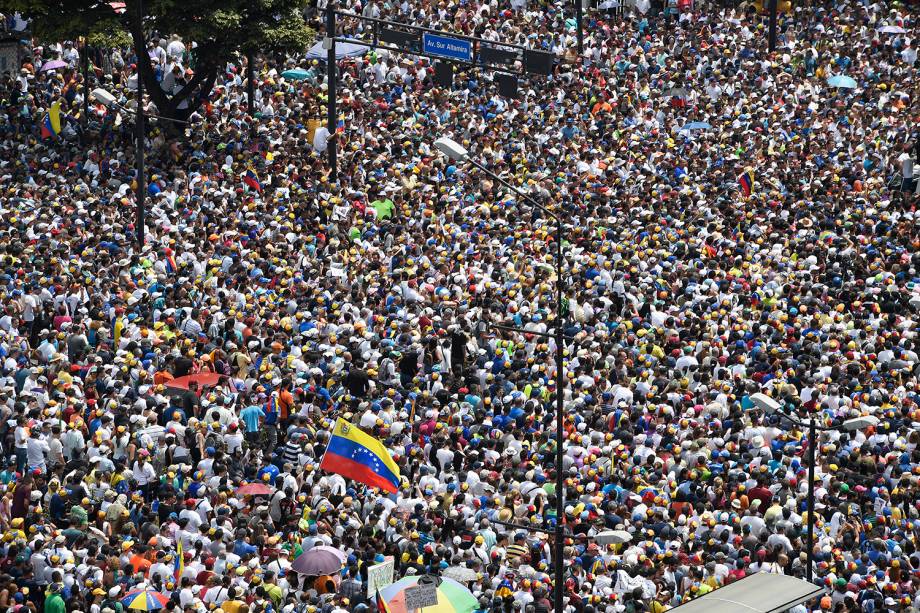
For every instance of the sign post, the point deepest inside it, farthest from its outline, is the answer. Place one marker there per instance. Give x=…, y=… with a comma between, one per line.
x=448, y=47
x=379, y=576
x=421, y=596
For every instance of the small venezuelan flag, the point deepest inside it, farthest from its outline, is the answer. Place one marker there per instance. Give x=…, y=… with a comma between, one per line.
x=340, y=124
x=360, y=457
x=171, y=266
x=252, y=180
x=51, y=126
x=179, y=567
x=382, y=606
x=746, y=182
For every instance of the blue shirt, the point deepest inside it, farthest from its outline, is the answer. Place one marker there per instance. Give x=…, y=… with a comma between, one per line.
x=250, y=416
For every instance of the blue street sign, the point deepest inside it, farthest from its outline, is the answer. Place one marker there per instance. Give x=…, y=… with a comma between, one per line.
x=450, y=48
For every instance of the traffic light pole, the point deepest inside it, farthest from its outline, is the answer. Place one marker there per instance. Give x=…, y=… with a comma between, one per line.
x=579, y=27
x=773, y=25
x=140, y=220
x=331, y=89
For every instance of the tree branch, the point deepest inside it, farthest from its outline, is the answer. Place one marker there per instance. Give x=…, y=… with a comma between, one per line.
x=206, y=88
x=144, y=69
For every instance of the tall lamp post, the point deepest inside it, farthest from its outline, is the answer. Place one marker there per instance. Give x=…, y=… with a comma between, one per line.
x=108, y=100
x=141, y=220
x=770, y=407
x=455, y=151
x=772, y=41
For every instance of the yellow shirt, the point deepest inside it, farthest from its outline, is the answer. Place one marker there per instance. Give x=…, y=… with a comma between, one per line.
x=232, y=606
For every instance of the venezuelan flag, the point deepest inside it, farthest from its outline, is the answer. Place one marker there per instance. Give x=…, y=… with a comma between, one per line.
x=51, y=126
x=252, y=180
x=360, y=457
x=382, y=606
x=340, y=124
x=179, y=567
x=746, y=182
x=171, y=265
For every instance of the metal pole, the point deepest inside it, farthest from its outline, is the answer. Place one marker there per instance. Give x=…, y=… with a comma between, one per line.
x=250, y=89
x=579, y=10
x=811, y=498
x=85, y=85
x=772, y=26
x=560, y=431
x=331, y=88
x=139, y=126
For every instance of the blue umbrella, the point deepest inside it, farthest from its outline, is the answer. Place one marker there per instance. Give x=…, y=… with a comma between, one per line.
x=696, y=125
x=297, y=74
x=842, y=81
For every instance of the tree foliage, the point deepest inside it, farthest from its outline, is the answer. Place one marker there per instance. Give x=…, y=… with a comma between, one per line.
x=222, y=29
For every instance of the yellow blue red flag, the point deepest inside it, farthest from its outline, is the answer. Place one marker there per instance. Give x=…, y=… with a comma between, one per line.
x=360, y=457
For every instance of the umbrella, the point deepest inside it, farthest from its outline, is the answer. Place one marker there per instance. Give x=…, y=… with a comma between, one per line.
x=842, y=81
x=145, y=600
x=254, y=489
x=615, y=537
x=341, y=554
x=764, y=403
x=297, y=74
x=676, y=92
x=892, y=30
x=341, y=50
x=696, y=125
x=461, y=574
x=452, y=596
x=53, y=65
x=203, y=379
x=318, y=561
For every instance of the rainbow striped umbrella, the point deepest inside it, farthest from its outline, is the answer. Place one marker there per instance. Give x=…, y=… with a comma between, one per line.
x=453, y=597
x=145, y=600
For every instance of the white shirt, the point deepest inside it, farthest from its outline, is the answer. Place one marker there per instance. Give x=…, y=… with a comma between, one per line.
x=36, y=449
x=907, y=169
x=320, y=140
x=144, y=474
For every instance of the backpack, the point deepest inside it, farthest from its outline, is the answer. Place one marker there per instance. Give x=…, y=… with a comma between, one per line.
x=213, y=440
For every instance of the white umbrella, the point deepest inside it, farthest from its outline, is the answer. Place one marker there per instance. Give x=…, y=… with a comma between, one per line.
x=892, y=30
x=765, y=403
x=461, y=574
x=615, y=537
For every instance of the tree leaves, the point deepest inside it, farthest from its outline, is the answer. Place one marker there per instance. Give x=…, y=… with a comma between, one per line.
x=222, y=29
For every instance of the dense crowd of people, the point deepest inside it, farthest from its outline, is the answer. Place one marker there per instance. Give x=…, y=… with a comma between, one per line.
x=296, y=298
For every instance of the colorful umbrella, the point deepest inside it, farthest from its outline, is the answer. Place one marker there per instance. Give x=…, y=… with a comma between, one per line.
x=452, y=596
x=318, y=561
x=203, y=379
x=254, y=489
x=145, y=600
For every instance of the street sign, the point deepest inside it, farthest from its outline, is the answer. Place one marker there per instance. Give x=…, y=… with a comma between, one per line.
x=421, y=596
x=379, y=576
x=447, y=47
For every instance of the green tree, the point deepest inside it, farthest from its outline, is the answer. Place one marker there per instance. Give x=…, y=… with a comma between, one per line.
x=222, y=29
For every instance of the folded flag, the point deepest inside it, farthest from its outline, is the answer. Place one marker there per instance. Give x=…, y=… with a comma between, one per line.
x=171, y=265
x=179, y=567
x=360, y=457
x=382, y=606
x=746, y=182
x=252, y=180
x=51, y=126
